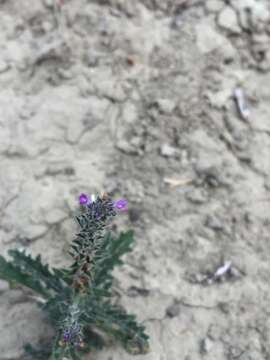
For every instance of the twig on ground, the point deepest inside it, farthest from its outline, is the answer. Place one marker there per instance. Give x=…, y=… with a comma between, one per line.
x=241, y=103
x=177, y=182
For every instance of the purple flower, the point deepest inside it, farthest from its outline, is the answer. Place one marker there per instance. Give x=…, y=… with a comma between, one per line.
x=72, y=334
x=83, y=199
x=66, y=336
x=121, y=204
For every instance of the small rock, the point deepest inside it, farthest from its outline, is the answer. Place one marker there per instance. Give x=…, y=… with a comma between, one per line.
x=214, y=332
x=208, y=40
x=111, y=185
x=214, y=5
x=227, y=19
x=134, y=214
x=206, y=345
x=47, y=26
x=49, y=3
x=33, y=232
x=235, y=273
x=260, y=39
x=55, y=216
x=197, y=196
x=173, y=310
x=125, y=146
x=214, y=223
x=166, y=106
x=210, y=176
x=111, y=90
x=224, y=307
x=26, y=112
x=4, y=286
x=3, y=66
x=134, y=291
x=264, y=65
x=260, y=15
x=69, y=171
x=91, y=59
x=267, y=183
x=74, y=131
x=168, y=150
x=199, y=278
x=130, y=113
x=135, y=189
x=252, y=13
x=136, y=142
x=65, y=74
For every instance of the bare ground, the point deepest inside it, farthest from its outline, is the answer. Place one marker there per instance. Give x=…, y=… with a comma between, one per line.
x=136, y=98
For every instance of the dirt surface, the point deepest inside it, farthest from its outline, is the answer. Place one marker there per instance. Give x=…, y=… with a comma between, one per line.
x=138, y=98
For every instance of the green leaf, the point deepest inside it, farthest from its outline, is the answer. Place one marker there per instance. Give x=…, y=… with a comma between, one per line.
x=74, y=355
x=30, y=272
x=40, y=353
x=110, y=254
x=38, y=271
x=64, y=352
x=116, y=322
x=14, y=274
x=92, y=339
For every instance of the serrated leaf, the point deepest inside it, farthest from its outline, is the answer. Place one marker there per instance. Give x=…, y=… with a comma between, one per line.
x=110, y=253
x=14, y=274
x=35, y=268
x=116, y=322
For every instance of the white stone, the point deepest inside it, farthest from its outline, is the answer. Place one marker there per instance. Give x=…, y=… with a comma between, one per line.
x=206, y=345
x=258, y=9
x=252, y=13
x=214, y=5
x=166, y=105
x=111, y=90
x=129, y=113
x=74, y=130
x=127, y=147
x=4, y=286
x=55, y=216
x=32, y=231
x=227, y=19
x=49, y=3
x=168, y=150
x=3, y=66
x=208, y=39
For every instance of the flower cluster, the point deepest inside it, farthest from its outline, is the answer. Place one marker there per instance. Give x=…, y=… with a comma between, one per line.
x=72, y=335
x=78, y=298
x=71, y=329
x=92, y=202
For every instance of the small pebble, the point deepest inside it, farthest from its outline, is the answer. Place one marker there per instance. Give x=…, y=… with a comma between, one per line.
x=173, y=310
x=206, y=345
x=91, y=59
x=214, y=5
x=166, y=106
x=134, y=214
x=234, y=272
x=3, y=66
x=167, y=150
x=197, y=196
x=227, y=20
x=134, y=291
x=4, y=286
x=48, y=3
x=214, y=223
